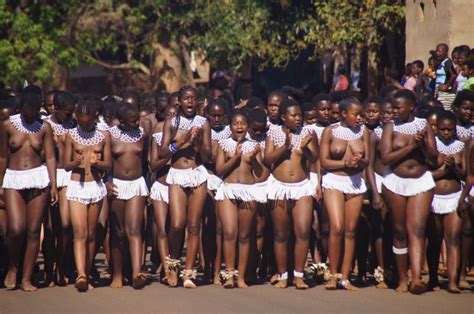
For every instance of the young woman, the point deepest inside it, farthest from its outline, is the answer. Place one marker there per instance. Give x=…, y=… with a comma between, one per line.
x=212, y=230
x=344, y=156
x=129, y=149
x=236, y=161
x=406, y=147
x=288, y=148
x=159, y=195
x=444, y=220
x=27, y=185
x=61, y=122
x=87, y=155
x=187, y=140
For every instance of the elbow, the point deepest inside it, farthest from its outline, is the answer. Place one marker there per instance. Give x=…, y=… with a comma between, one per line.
x=219, y=171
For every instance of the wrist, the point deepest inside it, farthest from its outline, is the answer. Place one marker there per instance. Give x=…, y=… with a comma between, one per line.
x=173, y=148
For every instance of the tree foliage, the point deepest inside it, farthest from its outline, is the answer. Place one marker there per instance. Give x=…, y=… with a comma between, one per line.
x=128, y=36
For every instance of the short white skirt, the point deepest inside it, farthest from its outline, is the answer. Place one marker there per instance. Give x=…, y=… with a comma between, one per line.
x=62, y=178
x=313, y=178
x=378, y=182
x=445, y=204
x=408, y=186
x=261, y=190
x=354, y=184
x=213, y=182
x=159, y=192
x=128, y=189
x=86, y=192
x=187, y=178
x=278, y=190
x=236, y=191
x=36, y=178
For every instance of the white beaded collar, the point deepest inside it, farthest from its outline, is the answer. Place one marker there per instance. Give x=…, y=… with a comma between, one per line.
x=451, y=149
x=222, y=134
x=348, y=134
x=279, y=137
x=378, y=131
x=187, y=123
x=21, y=126
x=410, y=128
x=229, y=145
x=464, y=132
x=86, y=138
x=131, y=136
x=318, y=130
x=60, y=129
x=158, y=136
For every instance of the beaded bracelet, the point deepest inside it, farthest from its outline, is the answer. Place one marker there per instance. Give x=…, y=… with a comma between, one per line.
x=173, y=148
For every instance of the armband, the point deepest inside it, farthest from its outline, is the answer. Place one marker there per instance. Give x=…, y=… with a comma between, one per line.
x=173, y=148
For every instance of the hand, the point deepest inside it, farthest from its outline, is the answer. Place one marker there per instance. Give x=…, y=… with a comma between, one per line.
x=377, y=201
x=288, y=138
x=112, y=189
x=238, y=149
x=95, y=157
x=54, y=195
x=306, y=140
x=443, y=87
x=419, y=138
x=449, y=161
x=353, y=162
x=80, y=159
x=256, y=151
x=242, y=104
x=319, y=193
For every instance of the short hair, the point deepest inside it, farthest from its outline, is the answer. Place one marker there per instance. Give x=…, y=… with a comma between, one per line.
x=134, y=95
x=33, y=89
x=469, y=64
x=255, y=102
x=278, y=93
x=109, y=109
x=258, y=115
x=444, y=46
x=320, y=98
x=124, y=111
x=294, y=92
x=347, y=102
x=30, y=100
x=63, y=100
x=285, y=104
x=419, y=64
x=446, y=115
x=239, y=113
x=432, y=111
x=307, y=106
x=219, y=102
x=183, y=89
x=406, y=94
x=462, y=96
x=86, y=106
x=373, y=100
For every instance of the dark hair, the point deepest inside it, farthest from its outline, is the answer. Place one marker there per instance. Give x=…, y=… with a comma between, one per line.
x=161, y=96
x=462, y=96
x=341, y=69
x=307, y=106
x=432, y=111
x=219, y=102
x=30, y=100
x=285, y=104
x=419, y=64
x=469, y=64
x=184, y=89
x=294, y=92
x=320, y=98
x=86, y=106
x=278, y=93
x=446, y=115
x=239, y=113
x=255, y=102
x=109, y=109
x=134, y=95
x=124, y=110
x=386, y=91
x=258, y=115
x=373, y=100
x=63, y=100
x=347, y=102
x=445, y=46
x=406, y=94
x=337, y=96
x=33, y=89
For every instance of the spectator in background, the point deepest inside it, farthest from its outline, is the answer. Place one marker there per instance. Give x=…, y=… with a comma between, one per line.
x=462, y=58
x=341, y=82
x=391, y=78
x=468, y=72
x=408, y=73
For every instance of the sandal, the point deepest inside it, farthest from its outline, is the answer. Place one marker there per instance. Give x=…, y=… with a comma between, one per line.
x=172, y=265
x=139, y=281
x=346, y=285
x=81, y=283
x=332, y=281
x=228, y=277
x=188, y=275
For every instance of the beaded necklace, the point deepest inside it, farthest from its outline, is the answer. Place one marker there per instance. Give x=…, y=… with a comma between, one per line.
x=378, y=131
x=229, y=145
x=348, y=134
x=279, y=137
x=452, y=148
x=60, y=129
x=131, y=136
x=86, y=138
x=222, y=134
x=21, y=125
x=465, y=131
x=410, y=128
x=158, y=136
x=187, y=123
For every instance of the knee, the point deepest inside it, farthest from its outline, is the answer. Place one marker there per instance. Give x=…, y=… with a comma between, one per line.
x=229, y=234
x=349, y=234
x=161, y=233
x=453, y=239
x=80, y=234
x=194, y=228
x=336, y=230
x=244, y=237
x=176, y=228
x=15, y=232
x=134, y=231
x=280, y=236
x=303, y=234
x=400, y=234
x=260, y=234
x=91, y=236
x=33, y=235
x=418, y=230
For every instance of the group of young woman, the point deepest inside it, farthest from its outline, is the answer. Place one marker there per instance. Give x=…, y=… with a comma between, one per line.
x=217, y=178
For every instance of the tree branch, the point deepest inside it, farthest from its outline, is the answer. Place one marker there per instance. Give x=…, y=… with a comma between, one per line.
x=122, y=66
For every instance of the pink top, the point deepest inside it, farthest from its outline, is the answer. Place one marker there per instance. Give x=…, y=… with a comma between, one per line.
x=342, y=83
x=410, y=83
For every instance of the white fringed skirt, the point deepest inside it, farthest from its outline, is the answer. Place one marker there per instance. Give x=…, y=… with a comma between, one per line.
x=236, y=191
x=86, y=192
x=187, y=178
x=278, y=190
x=354, y=184
x=213, y=182
x=128, y=189
x=36, y=178
x=408, y=186
x=62, y=178
x=159, y=192
x=445, y=204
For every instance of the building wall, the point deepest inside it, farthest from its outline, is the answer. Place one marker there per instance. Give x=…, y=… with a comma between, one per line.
x=429, y=22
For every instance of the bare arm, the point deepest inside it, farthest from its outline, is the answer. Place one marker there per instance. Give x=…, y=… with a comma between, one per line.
x=105, y=163
x=69, y=163
x=387, y=154
x=324, y=156
x=205, y=146
x=272, y=153
x=156, y=163
x=223, y=166
x=3, y=151
x=311, y=150
x=49, y=155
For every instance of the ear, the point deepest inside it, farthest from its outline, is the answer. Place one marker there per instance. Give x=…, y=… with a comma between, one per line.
x=282, y=117
x=343, y=113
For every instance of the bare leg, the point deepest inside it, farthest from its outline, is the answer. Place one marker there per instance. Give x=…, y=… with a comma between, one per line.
x=302, y=212
x=280, y=235
x=228, y=214
x=246, y=215
x=435, y=237
x=117, y=229
x=466, y=247
x=78, y=214
x=133, y=227
x=452, y=236
x=64, y=238
x=218, y=258
x=161, y=212
x=177, y=208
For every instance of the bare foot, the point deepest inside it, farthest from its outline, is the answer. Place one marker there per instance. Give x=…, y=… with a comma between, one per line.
x=433, y=286
x=117, y=282
x=346, y=285
x=10, y=280
x=463, y=284
x=300, y=284
x=217, y=280
x=331, y=284
x=189, y=284
x=229, y=283
x=90, y=287
x=81, y=283
x=60, y=280
x=241, y=283
x=452, y=288
x=139, y=281
x=52, y=284
x=173, y=278
x=274, y=279
x=418, y=287
x=381, y=285
x=282, y=284
x=402, y=287
x=27, y=286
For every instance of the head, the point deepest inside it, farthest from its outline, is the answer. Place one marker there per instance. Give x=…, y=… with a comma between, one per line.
x=239, y=126
x=30, y=105
x=322, y=107
x=417, y=67
x=463, y=57
x=468, y=68
x=49, y=102
x=433, y=62
x=86, y=113
x=216, y=113
x=408, y=69
x=273, y=103
x=309, y=114
x=109, y=111
x=132, y=98
x=386, y=111
x=387, y=92
x=432, y=118
x=128, y=116
x=351, y=112
x=291, y=114
x=255, y=102
x=403, y=105
x=187, y=97
x=446, y=126
x=442, y=51
x=257, y=122
x=64, y=105
x=173, y=99
x=170, y=112
x=372, y=111
x=161, y=103
x=341, y=69
x=335, y=112
x=429, y=101
x=463, y=106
